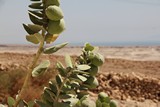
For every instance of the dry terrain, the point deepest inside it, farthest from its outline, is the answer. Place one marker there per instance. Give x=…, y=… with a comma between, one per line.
x=130, y=75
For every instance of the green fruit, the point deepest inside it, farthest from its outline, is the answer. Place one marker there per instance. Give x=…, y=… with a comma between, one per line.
x=52, y=2
x=93, y=71
x=54, y=13
x=91, y=82
x=113, y=104
x=98, y=60
x=56, y=27
x=103, y=97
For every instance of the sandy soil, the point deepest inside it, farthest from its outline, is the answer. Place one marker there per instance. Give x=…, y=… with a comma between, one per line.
x=131, y=75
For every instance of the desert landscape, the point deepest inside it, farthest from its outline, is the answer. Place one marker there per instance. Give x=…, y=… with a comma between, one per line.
x=130, y=75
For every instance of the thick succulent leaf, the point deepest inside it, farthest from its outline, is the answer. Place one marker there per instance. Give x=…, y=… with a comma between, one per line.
x=61, y=69
x=54, y=12
x=47, y=96
x=88, y=47
x=80, y=72
x=41, y=104
x=22, y=103
x=54, y=49
x=51, y=38
x=53, y=2
x=72, y=101
x=39, y=37
x=93, y=71
x=36, y=13
x=52, y=95
x=59, y=80
x=32, y=39
x=82, y=78
x=56, y=27
x=28, y=30
x=83, y=67
x=68, y=61
x=10, y=101
x=91, y=82
x=35, y=19
x=53, y=87
x=35, y=38
x=40, y=69
x=36, y=6
x=35, y=28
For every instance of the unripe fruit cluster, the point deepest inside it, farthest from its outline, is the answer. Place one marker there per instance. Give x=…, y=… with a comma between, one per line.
x=54, y=13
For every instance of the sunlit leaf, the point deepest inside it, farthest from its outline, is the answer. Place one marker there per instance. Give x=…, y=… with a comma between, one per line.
x=10, y=101
x=51, y=38
x=68, y=61
x=83, y=67
x=36, y=6
x=54, y=49
x=40, y=69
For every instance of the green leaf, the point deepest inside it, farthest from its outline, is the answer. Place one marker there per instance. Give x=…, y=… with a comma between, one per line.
x=40, y=69
x=72, y=101
x=31, y=103
x=54, y=49
x=10, y=101
x=36, y=13
x=68, y=61
x=41, y=104
x=88, y=47
x=35, y=38
x=53, y=2
x=28, y=30
x=91, y=82
x=56, y=27
x=61, y=69
x=36, y=6
x=82, y=78
x=59, y=80
x=35, y=19
x=93, y=71
x=51, y=38
x=62, y=104
x=53, y=87
x=83, y=67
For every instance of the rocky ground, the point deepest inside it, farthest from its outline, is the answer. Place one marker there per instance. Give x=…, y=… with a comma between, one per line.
x=130, y=75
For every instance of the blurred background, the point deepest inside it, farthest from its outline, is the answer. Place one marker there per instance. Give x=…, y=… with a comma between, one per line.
x=101, y=22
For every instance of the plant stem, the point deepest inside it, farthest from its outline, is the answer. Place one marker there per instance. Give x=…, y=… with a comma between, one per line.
x=29, y=74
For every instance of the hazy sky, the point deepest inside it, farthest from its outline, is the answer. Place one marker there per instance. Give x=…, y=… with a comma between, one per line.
x=89, y=21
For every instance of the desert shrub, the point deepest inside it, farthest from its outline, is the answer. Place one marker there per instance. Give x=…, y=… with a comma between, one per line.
x=71, y=85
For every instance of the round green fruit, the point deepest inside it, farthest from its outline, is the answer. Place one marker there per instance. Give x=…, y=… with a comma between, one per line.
x=98, y=60
x=56, y=27
x=54, y=12
x=103, y=97
x=52, y=2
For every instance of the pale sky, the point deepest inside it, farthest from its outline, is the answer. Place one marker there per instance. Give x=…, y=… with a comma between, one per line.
x=89, y=21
